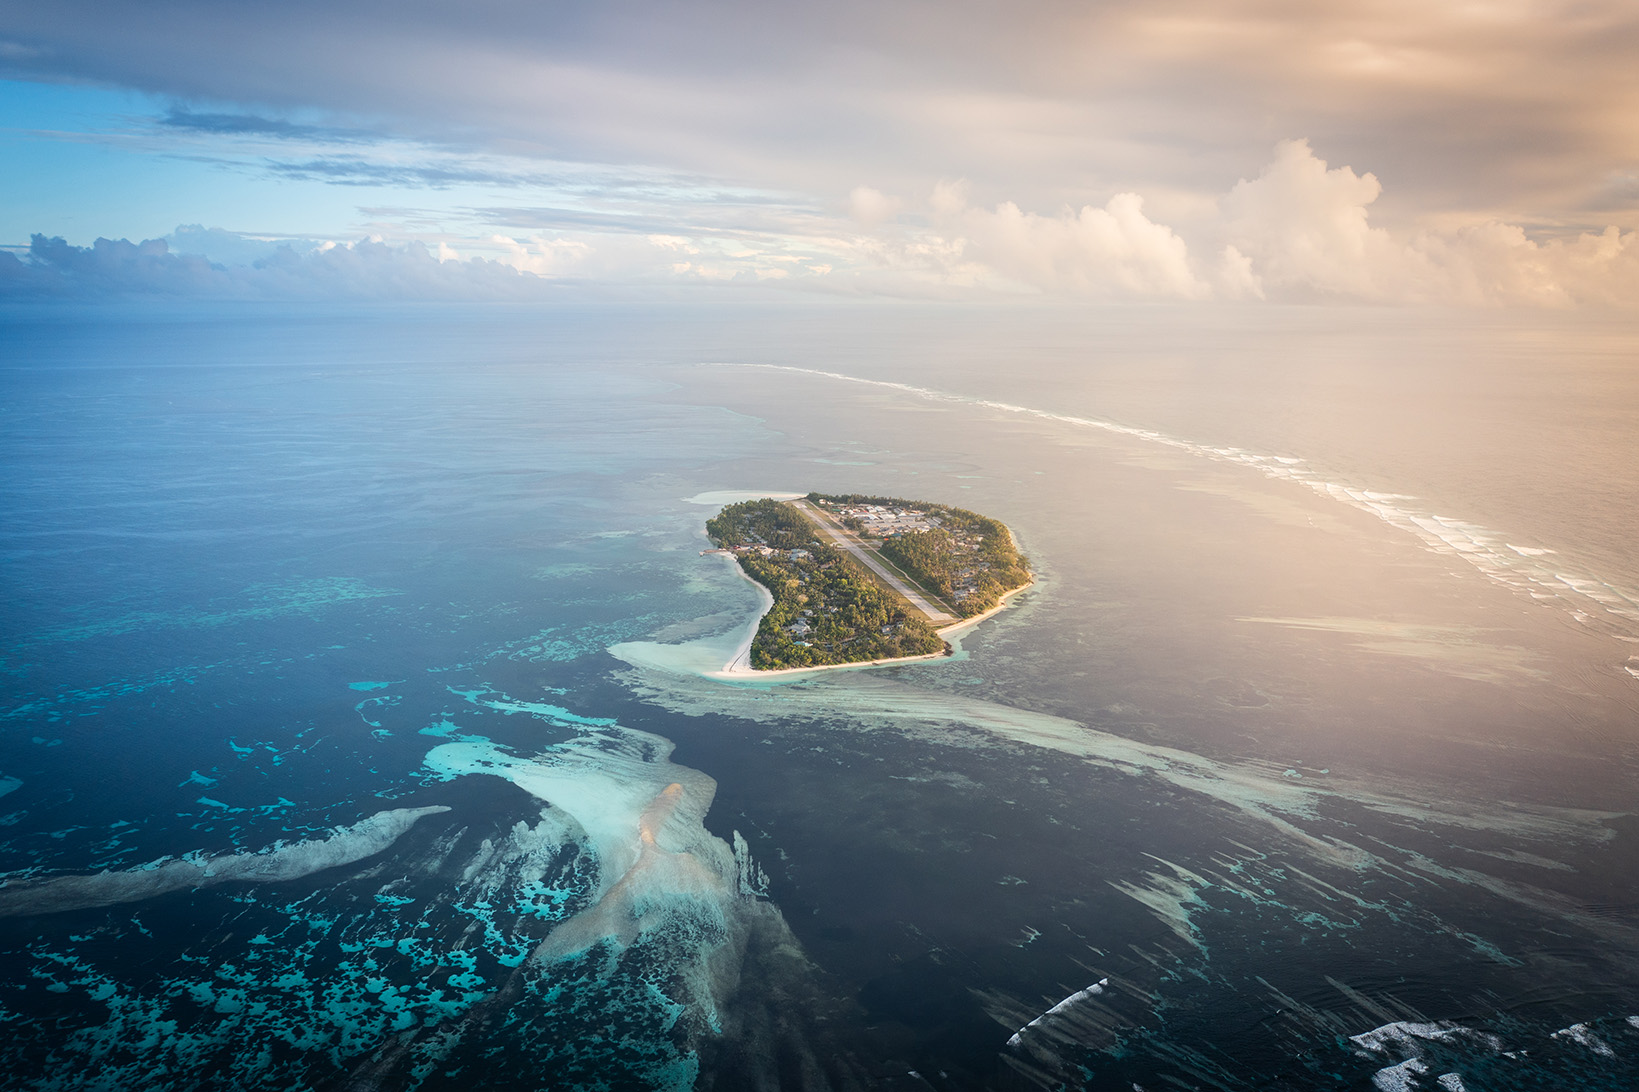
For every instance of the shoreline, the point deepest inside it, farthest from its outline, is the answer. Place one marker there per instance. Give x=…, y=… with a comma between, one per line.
x=742, y=653
x=733, y=672
x=1001, y=605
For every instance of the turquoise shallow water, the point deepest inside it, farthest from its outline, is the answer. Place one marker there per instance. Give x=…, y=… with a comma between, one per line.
x=308, y=648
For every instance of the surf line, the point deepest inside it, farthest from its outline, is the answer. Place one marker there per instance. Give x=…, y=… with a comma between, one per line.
x=1063, y=1006
x=1530, y=571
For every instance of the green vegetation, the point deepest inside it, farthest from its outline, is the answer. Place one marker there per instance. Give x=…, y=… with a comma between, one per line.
x=762, y=523
x=967, y=559
x=826, y=609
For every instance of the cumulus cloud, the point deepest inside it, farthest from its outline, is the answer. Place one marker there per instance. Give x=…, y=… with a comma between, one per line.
x=1305, y=230
x=1299, y=231
x=363, y=270
x=1114, y=250
x=1108, y=251
x=230, y=247
x=871, y=206
x=1496, y=263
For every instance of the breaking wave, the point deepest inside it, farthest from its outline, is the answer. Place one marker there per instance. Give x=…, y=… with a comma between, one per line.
x=1534, y=571
x=1046, y=1020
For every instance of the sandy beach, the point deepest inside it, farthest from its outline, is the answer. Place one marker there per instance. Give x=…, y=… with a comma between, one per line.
x=739, y=666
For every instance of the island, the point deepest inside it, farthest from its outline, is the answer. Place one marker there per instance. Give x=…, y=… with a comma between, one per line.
x=858, y=579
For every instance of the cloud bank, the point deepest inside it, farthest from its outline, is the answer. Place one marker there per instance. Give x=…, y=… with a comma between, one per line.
x=365, y=270
x=1299, y=231
x=1306, y=230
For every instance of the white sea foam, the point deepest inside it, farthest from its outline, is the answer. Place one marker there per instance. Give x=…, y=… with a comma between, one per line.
x=1583, y=1035
x=1534, y=571
x=1406, y=1038
x=1405, y=1035
x=9, y=784
x=1399, y=1078
x=280, y=862
x=1059, y=1009
x=753, y=880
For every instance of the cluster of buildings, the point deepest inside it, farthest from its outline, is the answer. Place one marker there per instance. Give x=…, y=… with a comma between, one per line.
x=882, y=521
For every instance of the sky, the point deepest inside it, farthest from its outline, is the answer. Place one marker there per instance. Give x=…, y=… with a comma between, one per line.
x=1477, y=154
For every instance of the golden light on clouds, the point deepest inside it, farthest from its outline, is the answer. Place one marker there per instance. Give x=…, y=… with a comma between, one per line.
x=1452, y=152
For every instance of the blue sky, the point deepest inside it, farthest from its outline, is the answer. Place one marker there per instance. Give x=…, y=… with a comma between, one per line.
x=91, y=160
x=87, y=161
x=1484, y=153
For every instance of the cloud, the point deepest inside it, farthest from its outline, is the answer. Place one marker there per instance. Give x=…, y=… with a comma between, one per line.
x=1110, y=251
x=503, y=268
x=871, y=206
x=52, y=268
x=1300, y=230
x=229, y=248
x=1498, y=264
x=1511, y=111
x=440, y=173
x=236, y=124
x=562, y=219
x=1305, y=230
x=1479, y=152
x=107, y=267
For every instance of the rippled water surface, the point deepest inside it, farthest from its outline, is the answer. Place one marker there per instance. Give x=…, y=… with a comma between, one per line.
x=355, y=737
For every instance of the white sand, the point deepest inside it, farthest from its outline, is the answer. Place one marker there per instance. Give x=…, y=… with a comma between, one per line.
x=720, y=497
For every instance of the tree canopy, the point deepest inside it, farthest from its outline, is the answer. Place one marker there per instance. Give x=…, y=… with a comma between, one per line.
x=827, y=609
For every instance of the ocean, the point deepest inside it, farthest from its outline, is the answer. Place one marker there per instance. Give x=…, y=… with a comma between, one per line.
x=355, y=732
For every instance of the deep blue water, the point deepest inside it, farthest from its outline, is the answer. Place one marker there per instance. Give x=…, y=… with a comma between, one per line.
x=1321, y=767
